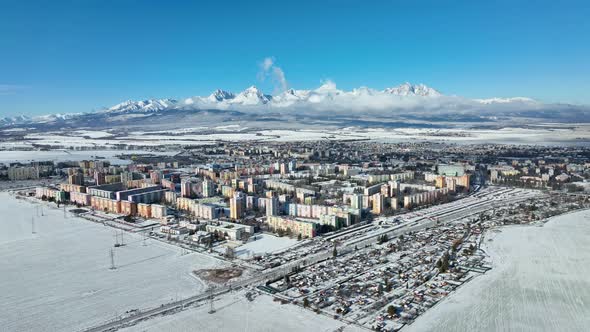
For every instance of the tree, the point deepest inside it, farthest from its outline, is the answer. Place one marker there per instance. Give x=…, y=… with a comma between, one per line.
x=391, y=311
x=456, y=244
x=305, y=302
x=444, y=265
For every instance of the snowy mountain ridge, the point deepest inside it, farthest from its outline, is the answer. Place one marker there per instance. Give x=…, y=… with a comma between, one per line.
x=253, y=96
x=327, y=102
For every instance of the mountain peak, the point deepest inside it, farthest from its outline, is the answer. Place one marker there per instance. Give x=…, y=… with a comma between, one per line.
x=251, y=96
x=253, y=89
x=220, y=95
x=409, y=89
x=149, y=105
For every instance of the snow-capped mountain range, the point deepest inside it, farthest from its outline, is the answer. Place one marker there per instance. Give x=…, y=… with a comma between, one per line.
x=253, y=97
x=327, y=102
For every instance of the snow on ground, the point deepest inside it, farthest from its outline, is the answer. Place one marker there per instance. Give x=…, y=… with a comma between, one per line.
x=59, y=278
x=539, y=282
x=558, y=135
x=264, y=243
x=71, y=155
x=533, y=136
x=14, y=130
x=235, y=313
x=93, y=133
x=196, y=137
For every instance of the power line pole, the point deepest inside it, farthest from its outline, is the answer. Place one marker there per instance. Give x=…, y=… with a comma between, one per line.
x=113, y=259
x=211, y=299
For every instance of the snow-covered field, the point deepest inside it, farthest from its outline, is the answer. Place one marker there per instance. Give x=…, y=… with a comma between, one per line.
x=70, y=155
x=534, y=136
x=235, y=313
x=59, y=278
x=540, y=281
x=92, y=133
x=550, y=134
x=264, y=243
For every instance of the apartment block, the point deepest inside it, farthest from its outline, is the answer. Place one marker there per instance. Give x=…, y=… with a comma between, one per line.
x=295, y=226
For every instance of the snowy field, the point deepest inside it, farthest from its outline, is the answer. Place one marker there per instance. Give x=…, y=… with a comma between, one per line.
x=534, y=136
x=69, y=155
x=548, y=134
x=235, y=313
x=539, y=282
x=264, y=243
x=59, y=278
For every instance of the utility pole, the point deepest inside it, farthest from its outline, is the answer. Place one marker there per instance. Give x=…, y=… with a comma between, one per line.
x=211, y=299
x=113, y=259
x=33, y=225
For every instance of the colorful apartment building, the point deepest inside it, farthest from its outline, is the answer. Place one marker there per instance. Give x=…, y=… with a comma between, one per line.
x=295, y=226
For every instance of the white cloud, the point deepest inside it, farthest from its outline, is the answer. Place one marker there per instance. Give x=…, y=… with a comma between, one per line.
x=267, y=64
x=328, y=100
x=268, y=69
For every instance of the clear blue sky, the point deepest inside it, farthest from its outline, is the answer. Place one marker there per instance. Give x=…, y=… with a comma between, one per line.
x=75, y=56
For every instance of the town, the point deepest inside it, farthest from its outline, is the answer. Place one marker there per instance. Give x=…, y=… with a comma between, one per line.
x=367, y=233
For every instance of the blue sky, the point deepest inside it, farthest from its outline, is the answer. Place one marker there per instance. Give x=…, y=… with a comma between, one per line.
x=75, y=56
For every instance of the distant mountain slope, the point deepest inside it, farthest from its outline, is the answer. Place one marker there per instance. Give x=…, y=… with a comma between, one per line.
x=405, y=102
